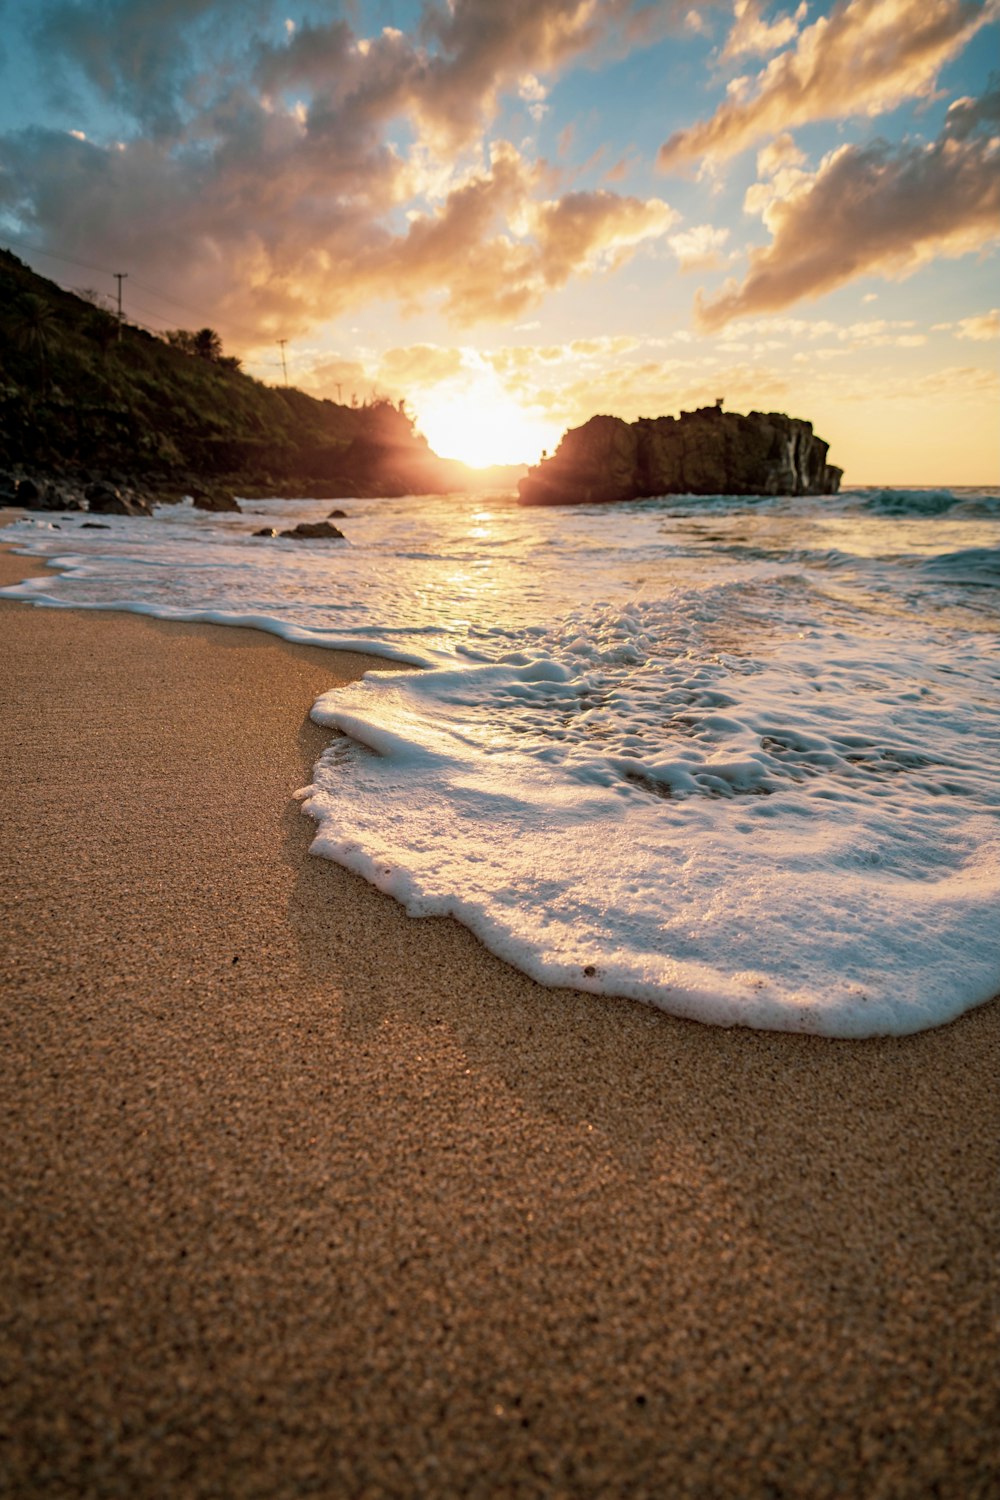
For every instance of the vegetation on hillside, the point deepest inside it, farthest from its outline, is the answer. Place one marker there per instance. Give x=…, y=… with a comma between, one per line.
x=78, y=391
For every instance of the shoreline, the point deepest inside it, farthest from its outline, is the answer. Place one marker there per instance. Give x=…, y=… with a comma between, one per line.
x=303, y=1193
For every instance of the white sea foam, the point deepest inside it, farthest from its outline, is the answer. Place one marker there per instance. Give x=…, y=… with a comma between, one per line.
x=735, y=759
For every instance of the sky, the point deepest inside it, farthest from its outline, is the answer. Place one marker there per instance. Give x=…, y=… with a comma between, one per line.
x=518, y=213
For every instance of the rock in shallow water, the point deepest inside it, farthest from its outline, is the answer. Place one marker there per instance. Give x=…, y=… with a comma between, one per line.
x=105, y=500
x=214, y=499
x=704, y=452
x=313, y=531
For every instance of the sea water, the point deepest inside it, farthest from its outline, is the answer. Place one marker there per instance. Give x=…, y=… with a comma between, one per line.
x=736, y=758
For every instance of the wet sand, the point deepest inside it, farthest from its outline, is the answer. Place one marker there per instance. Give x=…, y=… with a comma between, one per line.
x=301, y=1196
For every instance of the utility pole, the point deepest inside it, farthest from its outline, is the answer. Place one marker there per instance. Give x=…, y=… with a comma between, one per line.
x=339, y=389
x=120, y=276
x=284, y=366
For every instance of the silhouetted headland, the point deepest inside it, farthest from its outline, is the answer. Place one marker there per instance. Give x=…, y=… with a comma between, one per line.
x=101, y=414
x=703, y=452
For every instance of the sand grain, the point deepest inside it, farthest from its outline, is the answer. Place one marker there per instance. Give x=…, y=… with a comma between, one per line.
x=301, y=1196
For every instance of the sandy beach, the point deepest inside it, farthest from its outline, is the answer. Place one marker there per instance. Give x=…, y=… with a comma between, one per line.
x=301, y=1196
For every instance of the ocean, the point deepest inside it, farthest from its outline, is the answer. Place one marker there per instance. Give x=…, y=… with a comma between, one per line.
x=739, y=759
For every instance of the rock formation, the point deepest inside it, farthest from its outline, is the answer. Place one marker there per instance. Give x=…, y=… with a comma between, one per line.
x=704, y=452
x=106, y=500
x=216, y=499
x=312, y=531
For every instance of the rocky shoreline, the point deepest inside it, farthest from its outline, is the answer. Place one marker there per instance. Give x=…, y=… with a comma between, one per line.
x=104, y=497
x=704, y=452
x=112, y=494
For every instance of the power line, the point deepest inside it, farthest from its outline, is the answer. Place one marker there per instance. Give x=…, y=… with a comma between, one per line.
x=74, y=260
x=133, y=321
x=69, y=259
x=120, y=276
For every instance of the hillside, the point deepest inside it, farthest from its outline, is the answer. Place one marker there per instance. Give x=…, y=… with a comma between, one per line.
x=73, y=395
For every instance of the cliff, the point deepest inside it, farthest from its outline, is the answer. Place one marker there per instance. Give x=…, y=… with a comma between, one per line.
x=704, y=452
x=78, y=400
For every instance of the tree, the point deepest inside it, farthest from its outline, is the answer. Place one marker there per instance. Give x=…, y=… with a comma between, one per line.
x=205, y=344
x=32, y=325
x=208, y=345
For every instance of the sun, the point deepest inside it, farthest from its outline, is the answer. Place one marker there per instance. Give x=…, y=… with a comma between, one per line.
x=480, y=424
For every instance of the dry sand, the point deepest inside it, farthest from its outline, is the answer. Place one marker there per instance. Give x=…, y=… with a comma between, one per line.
x=301, y=1196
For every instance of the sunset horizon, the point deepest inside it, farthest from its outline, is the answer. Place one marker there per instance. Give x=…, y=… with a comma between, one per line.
x=517, y=217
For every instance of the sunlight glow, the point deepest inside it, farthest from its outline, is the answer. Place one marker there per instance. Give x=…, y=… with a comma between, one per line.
x=478, y=422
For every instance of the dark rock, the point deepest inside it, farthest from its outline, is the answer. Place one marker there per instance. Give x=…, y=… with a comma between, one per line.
x=704, y=452
x=51, y=497
x=93, y=526
x=215, y=499
x=338, y=515
x=100, y=491
x=266, y=531
x=106, y=500
x=313, y=531
x=27, y=493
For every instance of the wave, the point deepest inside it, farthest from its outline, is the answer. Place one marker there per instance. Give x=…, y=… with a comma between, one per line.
x=708, y=777
x=929, y=502
x=974, y=567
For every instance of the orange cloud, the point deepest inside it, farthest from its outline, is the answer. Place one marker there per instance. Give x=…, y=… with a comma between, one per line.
x=450, y=78
x=275, y=231
x=496, y=251
x=866, y=57
x=420, y=364
x=752, y=34
x=267, y=190
x=872, y=211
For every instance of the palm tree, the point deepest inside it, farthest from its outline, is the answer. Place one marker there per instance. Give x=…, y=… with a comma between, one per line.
x=208, y=344
x=32, y=326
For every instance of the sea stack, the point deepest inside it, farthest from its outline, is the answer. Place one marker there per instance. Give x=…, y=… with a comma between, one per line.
x=703, y=452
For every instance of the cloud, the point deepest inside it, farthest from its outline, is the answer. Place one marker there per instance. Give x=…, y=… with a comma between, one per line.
x=699, y=248
x=270, y=190
x=957, y=383
x=497, y=250
x=450, y=73
x=780, y=153
x=583, y=232
x=337, y=379
x=985, y=326
x=420, y=365
x=751, y=33
x=871, y=211
x=877, y=333
x=866, y=57
x=140, y=54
